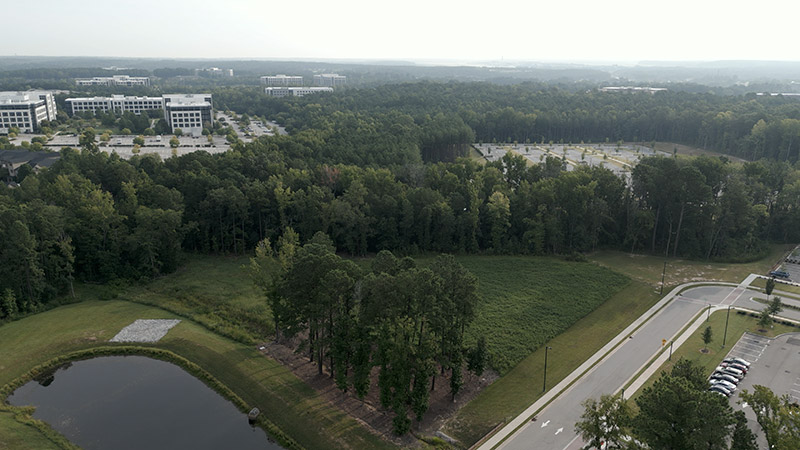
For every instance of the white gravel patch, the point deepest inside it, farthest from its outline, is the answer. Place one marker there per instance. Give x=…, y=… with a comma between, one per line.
x=145, y=330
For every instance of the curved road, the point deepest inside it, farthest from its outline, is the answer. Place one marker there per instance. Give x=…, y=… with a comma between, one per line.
x=553, y=428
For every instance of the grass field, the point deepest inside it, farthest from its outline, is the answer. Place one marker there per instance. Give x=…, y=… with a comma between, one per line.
x=788, y=288
x=522, y=386
x=738, y=324
x=285, y=400
x=648, y=268
x=214, y=291
x=527, y=301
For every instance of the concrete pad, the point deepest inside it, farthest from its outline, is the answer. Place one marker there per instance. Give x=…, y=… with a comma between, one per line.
x=145, y=330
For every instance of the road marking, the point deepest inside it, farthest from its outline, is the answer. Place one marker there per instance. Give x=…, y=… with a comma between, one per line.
x=545, y=424
x=571, y=442
x=559, y=430
x=731, y=293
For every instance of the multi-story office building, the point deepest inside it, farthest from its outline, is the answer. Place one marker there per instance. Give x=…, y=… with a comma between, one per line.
x=115, y=103
x=25, y=110
x=330, y=79
x=189, y=112
x=282, y=80
x=116, y=80
x=295, y=91
x=214, y=72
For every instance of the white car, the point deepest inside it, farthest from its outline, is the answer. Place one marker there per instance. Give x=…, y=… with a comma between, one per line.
x=727, y=384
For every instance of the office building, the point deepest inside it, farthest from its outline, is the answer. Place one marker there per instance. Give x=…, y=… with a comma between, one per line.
x=214, y=72
x=295, y=91
x=25, y=110
x=116, y=103
x=282, y=80
x=330, y=79
x=116, y=80
x=189, y=112
x=632, y=89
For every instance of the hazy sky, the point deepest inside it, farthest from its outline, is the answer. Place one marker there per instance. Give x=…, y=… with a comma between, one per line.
x=565, y=30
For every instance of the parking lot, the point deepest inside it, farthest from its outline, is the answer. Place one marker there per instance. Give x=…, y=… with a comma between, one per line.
x=791, y=265
x=775, y=363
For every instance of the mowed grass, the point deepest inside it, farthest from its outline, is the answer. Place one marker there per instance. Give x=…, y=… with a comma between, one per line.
x=788, y=288
x=19, y=436
x=522, y=385
x=648, y=269
x=738, y=324
x=285, y=400
x=215, y=291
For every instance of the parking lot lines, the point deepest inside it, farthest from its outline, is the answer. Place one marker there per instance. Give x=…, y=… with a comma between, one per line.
x=750, y=347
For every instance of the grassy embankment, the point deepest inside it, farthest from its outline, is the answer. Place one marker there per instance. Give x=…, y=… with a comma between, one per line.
x=761, y=283
x=519, y=388
x=738, y=324
x=292, y=405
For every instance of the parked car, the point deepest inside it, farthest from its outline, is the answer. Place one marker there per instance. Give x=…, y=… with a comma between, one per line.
x=726, y=384
x=737, y=360
x=779, y=274
x=720, y=389
x=735, y=365
x=725, y=376
x=733, y=372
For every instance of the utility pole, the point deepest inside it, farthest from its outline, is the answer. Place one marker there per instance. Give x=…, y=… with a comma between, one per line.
x=724, y=336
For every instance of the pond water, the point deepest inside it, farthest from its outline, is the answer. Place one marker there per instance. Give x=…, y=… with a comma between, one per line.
x=134, y=402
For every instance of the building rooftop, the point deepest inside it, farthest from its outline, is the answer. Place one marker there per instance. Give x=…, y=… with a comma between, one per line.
x=187, y=99
x=35, y=159
x=11, y=97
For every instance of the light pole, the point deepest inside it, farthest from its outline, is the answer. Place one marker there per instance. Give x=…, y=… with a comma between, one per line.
x=670, y=350
x=544, y=384
x=663, y=273
x=708, y=313
x=724, y=336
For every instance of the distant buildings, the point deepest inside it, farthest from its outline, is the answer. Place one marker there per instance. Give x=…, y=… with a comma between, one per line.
x=330, y=79
x=189, y=112
x=295, y=91
x=25, y=110
x=282, y=80
x=214, y=72
x=632, y=89
x=116, y=80
x=116, y=103
x=12, y=160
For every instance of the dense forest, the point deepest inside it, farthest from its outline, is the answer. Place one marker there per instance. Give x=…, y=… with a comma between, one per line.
x=379, y=169
x=749, y=126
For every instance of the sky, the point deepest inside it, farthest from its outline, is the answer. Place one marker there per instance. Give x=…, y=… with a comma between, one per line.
x=432, y=30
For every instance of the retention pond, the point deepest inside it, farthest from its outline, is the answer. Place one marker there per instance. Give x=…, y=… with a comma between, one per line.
x=134, y=402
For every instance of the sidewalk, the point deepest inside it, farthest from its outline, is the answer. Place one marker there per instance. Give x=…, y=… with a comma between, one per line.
x=584, y=368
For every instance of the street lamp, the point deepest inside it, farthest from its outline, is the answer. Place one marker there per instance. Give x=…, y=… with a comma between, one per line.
x=544, y=384
x=663, y=273
x=708, y=314
x=724, y=336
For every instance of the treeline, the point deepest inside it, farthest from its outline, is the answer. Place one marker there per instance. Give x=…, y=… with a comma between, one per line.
x=407, y=321
x=130, y=219
x=749, y=126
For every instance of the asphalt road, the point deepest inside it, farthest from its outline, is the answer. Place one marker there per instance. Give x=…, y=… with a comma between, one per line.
x=554, y=426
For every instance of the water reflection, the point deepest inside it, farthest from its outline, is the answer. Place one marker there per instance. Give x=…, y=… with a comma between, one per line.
x=134, y=402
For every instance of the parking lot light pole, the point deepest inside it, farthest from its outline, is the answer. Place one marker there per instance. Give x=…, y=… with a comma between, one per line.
x=708, y=314
x=725, y=335
x=670, y=350
x=663, y=273
x=544, y=384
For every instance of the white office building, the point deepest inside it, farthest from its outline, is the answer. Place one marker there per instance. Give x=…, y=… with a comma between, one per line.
x=116, y=80
x=295, y=91
x=189, y=112
x=116, y=103
x=282, y=80
x=25, y=110
x=330, y=79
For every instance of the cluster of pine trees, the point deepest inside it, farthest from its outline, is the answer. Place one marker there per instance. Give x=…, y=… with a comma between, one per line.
x=407, y=321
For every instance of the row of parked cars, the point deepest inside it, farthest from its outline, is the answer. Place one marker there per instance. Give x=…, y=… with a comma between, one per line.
x=728, y=375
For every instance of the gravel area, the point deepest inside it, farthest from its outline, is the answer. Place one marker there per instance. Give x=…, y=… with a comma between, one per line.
x=145, y=330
